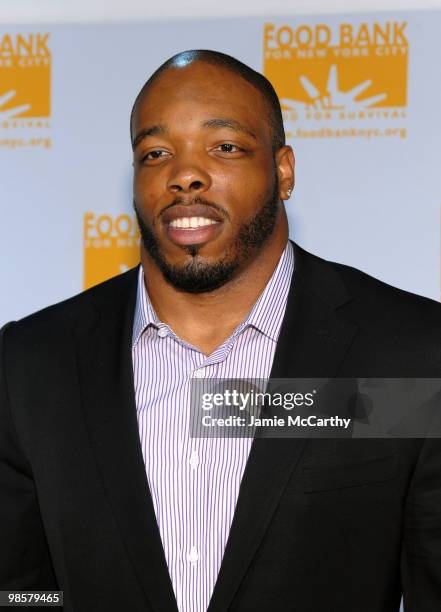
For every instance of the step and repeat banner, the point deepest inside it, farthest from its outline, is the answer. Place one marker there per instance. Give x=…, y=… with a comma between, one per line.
x=361, y=96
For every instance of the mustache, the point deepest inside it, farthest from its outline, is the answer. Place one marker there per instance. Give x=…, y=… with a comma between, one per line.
x=180, y=200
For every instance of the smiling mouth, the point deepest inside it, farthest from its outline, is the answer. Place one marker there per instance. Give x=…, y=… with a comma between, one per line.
x=193, y=230
x=192, y=222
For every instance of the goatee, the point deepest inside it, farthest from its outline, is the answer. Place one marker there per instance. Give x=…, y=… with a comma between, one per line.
x=199, y=276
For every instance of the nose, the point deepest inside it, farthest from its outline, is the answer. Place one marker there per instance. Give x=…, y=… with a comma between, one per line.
x=188, y=176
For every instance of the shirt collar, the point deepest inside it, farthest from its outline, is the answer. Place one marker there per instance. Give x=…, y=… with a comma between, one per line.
x=266, y=315
x=145, y=314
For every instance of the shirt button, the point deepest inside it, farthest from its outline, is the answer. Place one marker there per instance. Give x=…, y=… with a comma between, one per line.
x=162, y=332
x=199, y=374
x=194, y=459
x=193, y=555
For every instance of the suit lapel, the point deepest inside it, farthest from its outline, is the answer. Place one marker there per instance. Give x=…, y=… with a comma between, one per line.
x=312, y=343
x=314, y=336
x=106, y=377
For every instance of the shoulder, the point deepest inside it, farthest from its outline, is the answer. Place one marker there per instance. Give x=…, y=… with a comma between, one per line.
x=397, y=331
x=367, y=297
x=58, y=319
x=373, y=297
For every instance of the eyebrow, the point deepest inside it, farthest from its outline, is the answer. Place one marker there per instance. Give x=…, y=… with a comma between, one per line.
x=218, y=122
x=153, y=130
x=232, y=124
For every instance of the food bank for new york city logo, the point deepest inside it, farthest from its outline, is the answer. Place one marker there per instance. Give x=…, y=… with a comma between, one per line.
x=25, y=80
x=347, y=71
x=111, y=246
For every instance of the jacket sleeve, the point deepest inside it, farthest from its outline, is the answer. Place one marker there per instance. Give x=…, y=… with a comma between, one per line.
x=25, y=561
x=421, y=558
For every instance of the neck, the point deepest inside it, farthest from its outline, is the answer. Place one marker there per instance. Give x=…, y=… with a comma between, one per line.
x=195, y=317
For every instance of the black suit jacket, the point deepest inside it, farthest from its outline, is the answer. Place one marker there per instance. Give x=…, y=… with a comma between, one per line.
x=320, y=525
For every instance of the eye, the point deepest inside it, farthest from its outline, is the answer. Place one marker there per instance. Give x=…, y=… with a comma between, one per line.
x=154, y=155
x=227, y=147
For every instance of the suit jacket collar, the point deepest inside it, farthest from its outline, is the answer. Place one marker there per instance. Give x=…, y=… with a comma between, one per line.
x=315, y=334
x=313, y=341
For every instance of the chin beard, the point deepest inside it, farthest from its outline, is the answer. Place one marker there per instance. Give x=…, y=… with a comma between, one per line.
x=199, y=276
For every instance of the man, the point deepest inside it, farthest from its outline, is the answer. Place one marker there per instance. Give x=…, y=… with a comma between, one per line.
x=107, y=497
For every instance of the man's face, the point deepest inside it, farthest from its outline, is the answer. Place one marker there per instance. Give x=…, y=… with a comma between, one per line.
x=206, y=188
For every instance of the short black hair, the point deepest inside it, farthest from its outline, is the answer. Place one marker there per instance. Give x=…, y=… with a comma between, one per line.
x=217, y=58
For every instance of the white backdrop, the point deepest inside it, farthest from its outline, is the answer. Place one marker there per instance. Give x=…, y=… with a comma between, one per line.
x=370, y=202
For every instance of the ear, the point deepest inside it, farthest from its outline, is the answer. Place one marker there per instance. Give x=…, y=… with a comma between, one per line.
x=285, y=163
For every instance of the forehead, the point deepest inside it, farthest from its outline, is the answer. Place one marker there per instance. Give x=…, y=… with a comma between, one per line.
x=201, y=91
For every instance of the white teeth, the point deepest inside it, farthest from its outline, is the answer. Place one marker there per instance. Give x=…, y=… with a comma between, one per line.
x=191, y=222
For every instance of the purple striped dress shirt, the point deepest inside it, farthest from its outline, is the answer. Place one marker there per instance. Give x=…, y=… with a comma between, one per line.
x=194, y=482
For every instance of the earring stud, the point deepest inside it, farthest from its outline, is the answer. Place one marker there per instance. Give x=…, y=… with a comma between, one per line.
x=289, y=193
